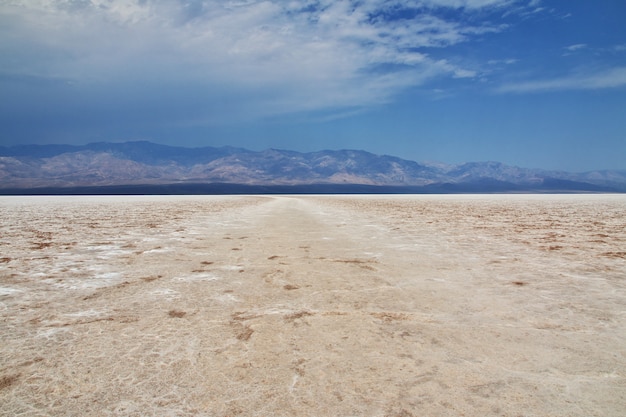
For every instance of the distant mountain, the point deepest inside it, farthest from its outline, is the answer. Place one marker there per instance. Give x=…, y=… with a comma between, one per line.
x=145, y=164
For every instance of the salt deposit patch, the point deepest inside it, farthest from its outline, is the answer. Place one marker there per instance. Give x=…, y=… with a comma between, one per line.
x=167, y=293
x=93, y=282
x=86, y=313
x=157, y=250
x=70, y=265
x=73, y=285
x=376, y=226
x=107, y=251
x=197, y=277
x=226, y=298
x=231, y=267
x=106, y=247
x=107, y=276
x=113, y=253
x=51, y=332
x=9, y=291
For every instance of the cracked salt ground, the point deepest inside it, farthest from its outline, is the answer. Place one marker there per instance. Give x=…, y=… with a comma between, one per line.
x=313, y=305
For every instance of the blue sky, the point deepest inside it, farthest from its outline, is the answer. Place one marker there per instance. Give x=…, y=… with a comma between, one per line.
x=533, y=83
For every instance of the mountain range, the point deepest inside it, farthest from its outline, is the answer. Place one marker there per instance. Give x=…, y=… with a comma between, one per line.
x=145, y=167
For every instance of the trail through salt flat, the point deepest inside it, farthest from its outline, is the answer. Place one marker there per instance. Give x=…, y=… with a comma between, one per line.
x=313, y=305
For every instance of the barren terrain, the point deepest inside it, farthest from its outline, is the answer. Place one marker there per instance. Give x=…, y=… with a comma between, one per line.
x=313, y=306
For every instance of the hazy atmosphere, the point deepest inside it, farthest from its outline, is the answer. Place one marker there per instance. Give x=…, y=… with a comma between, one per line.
x=534, y=83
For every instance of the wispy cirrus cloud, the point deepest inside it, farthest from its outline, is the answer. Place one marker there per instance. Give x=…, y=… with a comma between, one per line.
x=263, y=57
x=508, y=61
x=609, y=78
x=468, y=4
x=576, y=47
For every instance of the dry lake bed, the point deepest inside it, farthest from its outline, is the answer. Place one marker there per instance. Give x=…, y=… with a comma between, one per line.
x=506, y=305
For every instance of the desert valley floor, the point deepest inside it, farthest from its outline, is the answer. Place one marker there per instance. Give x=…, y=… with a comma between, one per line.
x=510, y=305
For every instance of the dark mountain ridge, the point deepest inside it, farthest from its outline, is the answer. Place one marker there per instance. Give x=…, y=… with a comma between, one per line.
x=146, y=164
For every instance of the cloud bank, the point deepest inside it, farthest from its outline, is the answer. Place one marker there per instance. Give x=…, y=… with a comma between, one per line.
x=207, y=62
x=613, y=78
x=237, y=58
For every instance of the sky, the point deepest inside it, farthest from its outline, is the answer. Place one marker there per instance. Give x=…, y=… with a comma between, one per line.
x=531, y=83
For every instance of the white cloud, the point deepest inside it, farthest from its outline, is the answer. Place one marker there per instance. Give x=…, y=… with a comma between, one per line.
x=509, y=61
x=611, y=78
x=278, y=56
x=576, y=47
x=462, y=73
x=468, y=4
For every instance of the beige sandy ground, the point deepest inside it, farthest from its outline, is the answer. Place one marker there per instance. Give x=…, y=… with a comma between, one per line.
x=313, y=306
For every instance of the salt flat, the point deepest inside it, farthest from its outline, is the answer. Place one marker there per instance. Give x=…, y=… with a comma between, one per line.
x=313, y=305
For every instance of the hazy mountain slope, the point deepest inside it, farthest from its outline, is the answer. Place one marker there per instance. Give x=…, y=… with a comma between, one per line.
x=103, y=163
